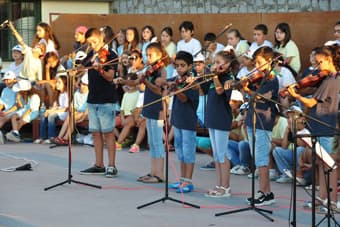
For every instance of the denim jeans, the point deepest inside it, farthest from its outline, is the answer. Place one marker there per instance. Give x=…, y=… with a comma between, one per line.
x=102, y=117
x=244, y=149
x=48, y=123
x=219, y=143
x=262, y=146
x=185, y=145
x=284, y=158
x=154, y=130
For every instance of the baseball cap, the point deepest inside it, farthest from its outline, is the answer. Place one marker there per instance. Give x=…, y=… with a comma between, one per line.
x=81, y=29
x=9, y=75
x=199, y=57
x=17, y=48
x=22, y=85
x=236, y=96
x=294, y=108
x=80, y=55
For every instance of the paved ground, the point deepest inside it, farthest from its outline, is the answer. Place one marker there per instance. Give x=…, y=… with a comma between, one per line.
x=23, y=202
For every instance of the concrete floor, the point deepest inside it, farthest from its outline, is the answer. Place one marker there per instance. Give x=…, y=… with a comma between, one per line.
x=23, y=201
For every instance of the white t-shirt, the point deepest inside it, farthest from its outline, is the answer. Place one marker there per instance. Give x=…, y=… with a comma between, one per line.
x=140, y=100
x=32, y=67
x=219, y=48
x=63, y=103
x=193, y=46
x=285, y=77
x=33, y=104
x=80, y=101
x=15, y=68
x=50, y=46
x=8, y=98
x=254, y=46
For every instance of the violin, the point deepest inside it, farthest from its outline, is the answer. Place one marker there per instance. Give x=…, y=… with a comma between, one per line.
x=309, y=81
x=253, y=79
x=179, y=83
x=152, y=68
x=102, y=55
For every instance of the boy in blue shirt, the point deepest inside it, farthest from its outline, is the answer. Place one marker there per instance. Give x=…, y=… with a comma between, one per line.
x=7, y=100
x=184, y=121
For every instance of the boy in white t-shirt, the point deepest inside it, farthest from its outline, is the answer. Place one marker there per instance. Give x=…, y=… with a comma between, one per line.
x=212, y=47
x=18, y=58
x=188, y=43
x=260, y=34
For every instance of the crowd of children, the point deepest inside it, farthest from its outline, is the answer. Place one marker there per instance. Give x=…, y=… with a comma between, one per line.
x=236, y=104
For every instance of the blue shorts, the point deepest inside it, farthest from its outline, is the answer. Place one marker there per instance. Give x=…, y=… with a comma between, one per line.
x=219, y=143
x=102, y=117
x=154, y=129
x=262, y=146
x=327, y=143
x=185, y=145
x=32, y=116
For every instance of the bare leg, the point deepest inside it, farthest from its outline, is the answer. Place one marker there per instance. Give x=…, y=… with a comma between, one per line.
x=264, y=183
x=225, y=173
x=111, y=149
x=141, y=132
x=189, y=170
x=129, y=123
x=98, y=148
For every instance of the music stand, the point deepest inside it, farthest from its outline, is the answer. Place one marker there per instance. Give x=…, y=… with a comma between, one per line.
x=166, y=189
x=69, y=180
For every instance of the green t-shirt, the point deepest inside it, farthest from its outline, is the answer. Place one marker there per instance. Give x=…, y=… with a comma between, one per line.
x=291, y=50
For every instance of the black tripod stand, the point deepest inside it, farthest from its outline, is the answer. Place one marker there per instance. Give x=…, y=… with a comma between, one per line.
x=69, y=180
x=166, y=191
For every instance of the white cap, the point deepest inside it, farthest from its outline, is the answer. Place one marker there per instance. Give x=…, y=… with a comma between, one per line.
x=85, y=78
x=80, y=55
x=331, y=43
x=236, y=96
x=17, y=48
x=228, y=48
x=9, y=75
x=295, y=108
x=248, y=54
x=199, y=57
x=22, y=85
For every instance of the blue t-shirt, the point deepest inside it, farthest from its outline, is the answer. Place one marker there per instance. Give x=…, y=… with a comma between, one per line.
x=100, y=90
x=8, y=98
x=183, y=115
x=265, y=110
x=326, y=108
x=218, y=113
x=153, y=110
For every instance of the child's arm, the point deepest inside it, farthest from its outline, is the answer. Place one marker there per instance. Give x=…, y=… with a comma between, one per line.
x=16, y=34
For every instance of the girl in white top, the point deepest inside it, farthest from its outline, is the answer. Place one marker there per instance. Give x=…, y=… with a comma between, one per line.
x=287, y=47
x=57, y=111
x=236, y=40
x=28, y=103
x=44, y=31
x=80, y=113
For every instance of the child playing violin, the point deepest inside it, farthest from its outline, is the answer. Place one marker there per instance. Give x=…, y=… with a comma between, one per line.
x=323, y=106
x=184, y=121
x=218, y=120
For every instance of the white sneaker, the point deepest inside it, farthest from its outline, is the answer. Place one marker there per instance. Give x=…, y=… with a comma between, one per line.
x=38, y=141
x=256, y=174
x=243, y=170
x=2, y=140
x=12, y=136
x=234, y=169
x=48, y=141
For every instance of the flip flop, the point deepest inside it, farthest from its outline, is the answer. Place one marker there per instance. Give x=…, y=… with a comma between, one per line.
x=153, y=180
x=140, y=179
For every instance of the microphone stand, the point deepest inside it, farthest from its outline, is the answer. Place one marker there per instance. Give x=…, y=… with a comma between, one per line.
x=69, y=180
x=252, y=204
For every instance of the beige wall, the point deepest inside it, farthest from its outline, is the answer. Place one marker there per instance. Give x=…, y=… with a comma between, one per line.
x=48, y=7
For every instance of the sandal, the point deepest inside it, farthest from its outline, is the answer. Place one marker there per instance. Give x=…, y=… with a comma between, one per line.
x=140, y=179
x=153, y=180
x=218, y=192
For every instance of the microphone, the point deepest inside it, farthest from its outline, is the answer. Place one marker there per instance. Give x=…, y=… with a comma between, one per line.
x=4, y=24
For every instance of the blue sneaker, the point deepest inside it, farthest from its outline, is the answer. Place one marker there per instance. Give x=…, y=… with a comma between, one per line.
x=175, y=185
x=186, y=188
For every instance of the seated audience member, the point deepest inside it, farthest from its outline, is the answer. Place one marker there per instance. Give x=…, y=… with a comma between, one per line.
x=28, y=103
x=7, y=101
